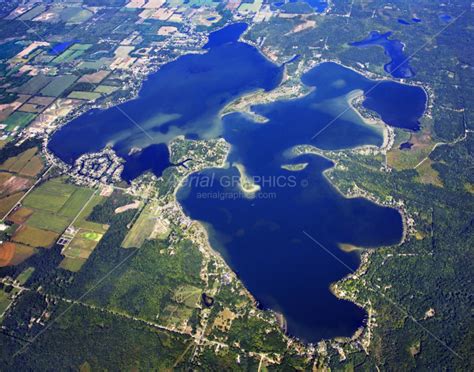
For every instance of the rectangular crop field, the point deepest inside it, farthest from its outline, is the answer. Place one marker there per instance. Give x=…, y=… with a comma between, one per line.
x=18, y=120
x=50, y=196
x=34, y=237
x=59, y=84
x=48, y=221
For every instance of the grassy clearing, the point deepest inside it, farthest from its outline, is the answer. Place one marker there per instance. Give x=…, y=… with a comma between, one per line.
x=426, y=174
x=188, y=295
x=106, y=89
x=25, y=275
x=72, y=264
x=88, y=225
x=141, y=229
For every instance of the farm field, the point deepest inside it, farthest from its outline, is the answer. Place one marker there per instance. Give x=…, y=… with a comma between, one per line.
x=7, y=202
x=18, y=120
x=58, y=85
x=88, y=96
x=141, y=229
x=13, y=253
x=34, y=85
x=35, y=237
x=50, y=196
x=48, y=210
x=72, y=53
x=25, y=164
x=107, y=89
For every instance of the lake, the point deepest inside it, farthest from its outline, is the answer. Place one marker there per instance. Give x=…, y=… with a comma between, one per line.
x=262, y=237
x=399, y=65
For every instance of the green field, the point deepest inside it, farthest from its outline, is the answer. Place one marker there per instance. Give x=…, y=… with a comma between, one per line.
x=72, y=53
x=34, y=85
x=88, y=225
x=50, y=196
x=72, y=264
x=56, y=204
x=75, y=15
x=141, y=229
x=107, y=89
x=25, y=275
x=89, y=96
x=58, y=85
x=48, y=221
x=76, y=202
x=188, y=295
x=92, y=235
x=4, y=301
x=18, y=120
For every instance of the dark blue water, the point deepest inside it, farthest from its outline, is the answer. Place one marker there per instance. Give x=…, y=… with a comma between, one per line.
x=399, y=65
x=182, y=98
x=405, y=146
x=295, y=58
x=398, y=105
x=318, y=5
x=226, y=35
x=445, y=18
x=61, y=47
x=262, y=238
x=154, y=158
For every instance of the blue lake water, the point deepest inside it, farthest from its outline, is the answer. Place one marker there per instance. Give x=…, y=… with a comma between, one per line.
x=318, y=5
x=61, y=47
x=445, y=18
x=403, y=22
x=399, y=65
x=183, y=97
x=262, y=238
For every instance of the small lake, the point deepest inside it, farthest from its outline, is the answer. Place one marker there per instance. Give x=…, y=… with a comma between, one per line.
x=262, y=237
x=399, y=65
